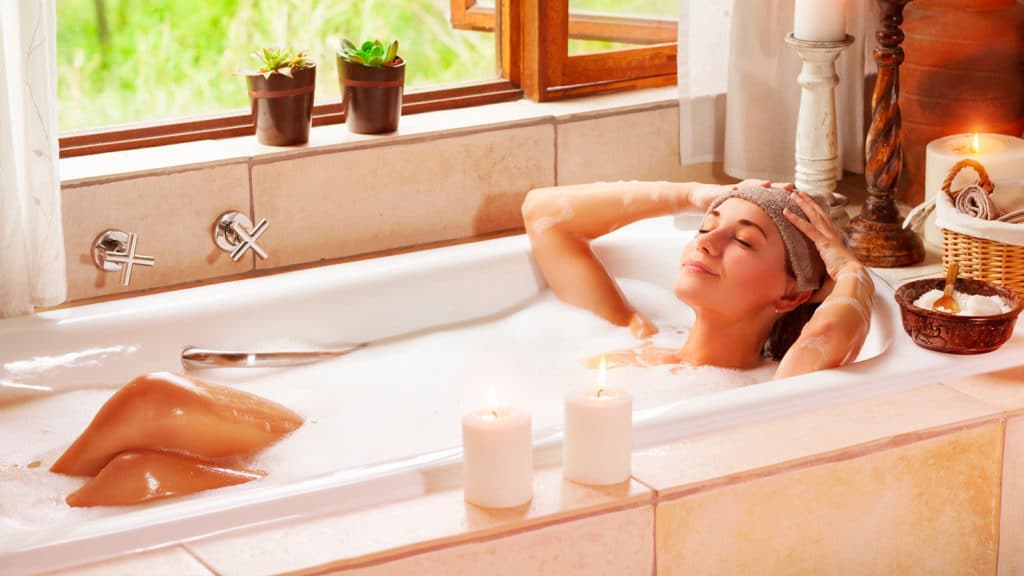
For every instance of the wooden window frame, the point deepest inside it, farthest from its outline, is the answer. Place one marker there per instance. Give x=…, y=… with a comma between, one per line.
x=583, y=25
x=533, y=38
x=550, y=73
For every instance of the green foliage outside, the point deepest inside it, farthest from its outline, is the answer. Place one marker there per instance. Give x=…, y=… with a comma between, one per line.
x=173, y=58
x=157, y=59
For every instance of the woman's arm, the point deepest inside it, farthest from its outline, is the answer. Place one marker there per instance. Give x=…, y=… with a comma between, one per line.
x=834, y=335
x=561, y=221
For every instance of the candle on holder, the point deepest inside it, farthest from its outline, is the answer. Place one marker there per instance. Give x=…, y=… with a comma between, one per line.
x=1001, y=155
x=497, y=448
x=819, y=20
x=598, y=444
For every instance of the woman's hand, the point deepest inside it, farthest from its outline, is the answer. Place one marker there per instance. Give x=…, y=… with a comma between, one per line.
x=704, y=195
x=818, y=227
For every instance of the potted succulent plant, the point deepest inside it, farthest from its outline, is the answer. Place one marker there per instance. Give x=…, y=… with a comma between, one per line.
x=372, y=79
x=281, y=92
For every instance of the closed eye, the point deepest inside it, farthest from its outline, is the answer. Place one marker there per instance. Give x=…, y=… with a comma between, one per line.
x=743, y=242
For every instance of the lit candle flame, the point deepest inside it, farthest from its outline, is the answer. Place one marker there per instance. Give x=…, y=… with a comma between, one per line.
x=492, y=398
x=602, y=376
x=974, y=145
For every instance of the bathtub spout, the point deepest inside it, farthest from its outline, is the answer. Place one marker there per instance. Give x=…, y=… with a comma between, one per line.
x=195, y=358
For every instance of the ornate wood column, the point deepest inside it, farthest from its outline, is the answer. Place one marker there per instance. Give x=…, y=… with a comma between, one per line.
x=876, y=235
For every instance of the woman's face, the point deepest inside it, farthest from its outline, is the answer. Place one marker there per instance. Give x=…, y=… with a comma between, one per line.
x=736, y=265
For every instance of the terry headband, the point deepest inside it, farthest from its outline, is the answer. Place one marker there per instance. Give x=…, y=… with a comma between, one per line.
x=801, y=253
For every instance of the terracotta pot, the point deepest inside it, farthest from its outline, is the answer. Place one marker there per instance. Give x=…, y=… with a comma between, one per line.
x=282, y=107
x=371, y=97
x=964, y=72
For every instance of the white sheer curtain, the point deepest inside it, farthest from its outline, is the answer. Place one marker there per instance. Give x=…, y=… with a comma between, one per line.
x=31, y=237
x=738, y=90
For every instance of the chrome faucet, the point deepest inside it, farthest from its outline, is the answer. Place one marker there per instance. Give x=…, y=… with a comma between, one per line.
x=234, y=233
x=114, y=250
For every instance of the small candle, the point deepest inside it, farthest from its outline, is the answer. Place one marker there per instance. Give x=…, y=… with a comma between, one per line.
x=819, y=20
x=598, y=444
x=1001, y=155
x=497, y=467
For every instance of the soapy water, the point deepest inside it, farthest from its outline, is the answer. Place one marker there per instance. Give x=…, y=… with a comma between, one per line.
x=392, y=400
x=970, y=304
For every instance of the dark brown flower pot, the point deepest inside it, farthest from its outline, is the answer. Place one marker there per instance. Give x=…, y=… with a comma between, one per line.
x=282, y=107
x=371, y=97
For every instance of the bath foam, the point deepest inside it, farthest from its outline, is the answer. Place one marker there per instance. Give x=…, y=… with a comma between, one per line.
x=394, y=399
x=865, y=314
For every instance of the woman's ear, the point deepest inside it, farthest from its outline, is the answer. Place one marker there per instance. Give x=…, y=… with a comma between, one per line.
x=792, y=298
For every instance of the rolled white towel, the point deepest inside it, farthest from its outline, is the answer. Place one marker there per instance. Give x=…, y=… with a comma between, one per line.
x=974, y=201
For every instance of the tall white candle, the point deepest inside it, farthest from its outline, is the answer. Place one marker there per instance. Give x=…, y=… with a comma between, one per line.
x=497, y=468
x=819, y=20
x=1001, y=155
x=598, y=444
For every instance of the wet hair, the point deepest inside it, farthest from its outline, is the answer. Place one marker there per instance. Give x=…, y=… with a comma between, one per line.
x=787, y=328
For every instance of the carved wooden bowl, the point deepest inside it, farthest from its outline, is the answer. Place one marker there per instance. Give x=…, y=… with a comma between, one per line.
x=957, y=334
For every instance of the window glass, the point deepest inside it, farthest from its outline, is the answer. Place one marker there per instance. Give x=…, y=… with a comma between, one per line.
x=600, y=25
x=125, y=61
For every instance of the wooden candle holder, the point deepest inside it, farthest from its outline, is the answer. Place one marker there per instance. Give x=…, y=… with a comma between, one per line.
x=876, y=235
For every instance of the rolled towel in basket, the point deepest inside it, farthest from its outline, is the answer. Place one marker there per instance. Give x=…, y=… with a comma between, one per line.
x=974, y=201
x=1015, y=217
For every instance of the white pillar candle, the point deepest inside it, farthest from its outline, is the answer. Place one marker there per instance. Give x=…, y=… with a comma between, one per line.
x=597, y=446
x=1001, y=155
x=819, y=20
x=497, y=450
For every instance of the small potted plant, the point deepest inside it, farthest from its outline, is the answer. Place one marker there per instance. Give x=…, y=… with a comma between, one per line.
x=281, y=92
x=372, y=78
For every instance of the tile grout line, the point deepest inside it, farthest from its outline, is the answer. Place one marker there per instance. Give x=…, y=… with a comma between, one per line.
x=554, y=149
x=1005, y=411
x=252, y=210
x=188, y=550
x=654, y=539
x=413, y=550
x=655, y=499
x=1002, y=484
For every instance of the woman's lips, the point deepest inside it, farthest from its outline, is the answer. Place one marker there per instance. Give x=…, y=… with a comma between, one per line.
x=694, y=266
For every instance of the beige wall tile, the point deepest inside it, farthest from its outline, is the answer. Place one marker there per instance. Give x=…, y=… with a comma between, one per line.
x=634, y=146
x=174, y=561
x=807, y=436
x=1004, y=388
x=931, y=508
x=1011, y=522
x=616, y=544
x=173, y=215
x=365, y=200
x=403, y=528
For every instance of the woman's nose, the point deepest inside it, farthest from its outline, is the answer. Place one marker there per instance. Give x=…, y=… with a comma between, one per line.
x=707, y=243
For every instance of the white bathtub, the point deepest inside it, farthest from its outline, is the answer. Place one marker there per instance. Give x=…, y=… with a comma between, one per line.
x=396, y=437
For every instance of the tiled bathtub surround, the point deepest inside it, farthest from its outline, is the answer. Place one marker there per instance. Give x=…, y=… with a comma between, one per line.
x=445, y=176
x=930, y=507
x=172, y=214
x=363, y=200
x=564, y=530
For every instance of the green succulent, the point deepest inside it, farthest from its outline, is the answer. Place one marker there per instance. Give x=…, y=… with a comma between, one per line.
x=373, y=54
x=282, y=61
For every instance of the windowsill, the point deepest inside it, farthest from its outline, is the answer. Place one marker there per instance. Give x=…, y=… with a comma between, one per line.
x=81, y=170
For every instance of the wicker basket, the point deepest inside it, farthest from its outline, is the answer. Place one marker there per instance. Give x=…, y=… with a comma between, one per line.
x=981, y=258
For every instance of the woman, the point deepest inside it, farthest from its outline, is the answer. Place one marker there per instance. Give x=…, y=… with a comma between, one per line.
x=755, y=271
